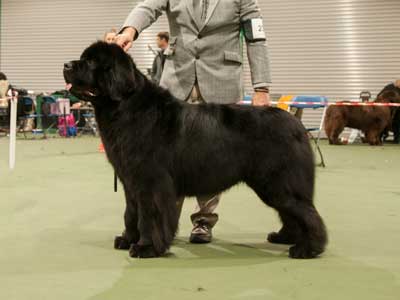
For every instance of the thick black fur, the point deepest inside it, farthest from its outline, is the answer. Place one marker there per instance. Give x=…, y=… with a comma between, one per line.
x=391, y=93
x=163, y=148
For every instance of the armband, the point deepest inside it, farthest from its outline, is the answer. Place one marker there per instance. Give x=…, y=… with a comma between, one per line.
x=254, y=30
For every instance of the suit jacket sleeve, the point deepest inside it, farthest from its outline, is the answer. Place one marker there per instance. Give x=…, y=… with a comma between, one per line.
x=145, y=14
x=257, y=52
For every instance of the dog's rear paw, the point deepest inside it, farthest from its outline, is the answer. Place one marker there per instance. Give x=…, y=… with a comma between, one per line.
x=140, y=251
x=121, y=243
x=279, y=238
x=303, y=251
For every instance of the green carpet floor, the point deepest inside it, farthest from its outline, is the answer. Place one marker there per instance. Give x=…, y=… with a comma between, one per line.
x=59, y=215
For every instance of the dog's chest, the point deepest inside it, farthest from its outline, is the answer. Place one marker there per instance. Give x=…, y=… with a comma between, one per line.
x=112, y=139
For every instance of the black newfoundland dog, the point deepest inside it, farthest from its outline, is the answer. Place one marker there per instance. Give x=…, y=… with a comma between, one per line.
x=162, y=148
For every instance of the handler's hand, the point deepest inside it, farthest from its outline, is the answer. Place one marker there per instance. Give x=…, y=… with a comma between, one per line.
x=260, y=99
x=125, y=38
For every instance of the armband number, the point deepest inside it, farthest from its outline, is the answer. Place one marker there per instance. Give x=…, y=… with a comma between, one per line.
x=254, y=30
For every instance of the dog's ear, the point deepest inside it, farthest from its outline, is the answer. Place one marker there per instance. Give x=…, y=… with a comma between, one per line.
x=118, y=84
x=122, y=81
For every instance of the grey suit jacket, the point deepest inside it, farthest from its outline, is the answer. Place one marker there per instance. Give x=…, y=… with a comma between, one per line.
x=211, y=51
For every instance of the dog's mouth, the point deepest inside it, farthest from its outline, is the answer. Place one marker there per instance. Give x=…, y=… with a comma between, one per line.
x=87, y=94
x=81, y=92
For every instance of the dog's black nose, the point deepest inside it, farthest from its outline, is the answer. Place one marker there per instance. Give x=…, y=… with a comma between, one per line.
x=68, y=66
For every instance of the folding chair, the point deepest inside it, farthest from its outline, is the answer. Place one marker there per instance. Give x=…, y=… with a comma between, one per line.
x=283, y=102
x=85, y=120
x=4, y=107
x=27, y=113
x=48, y=118
x=315, y=102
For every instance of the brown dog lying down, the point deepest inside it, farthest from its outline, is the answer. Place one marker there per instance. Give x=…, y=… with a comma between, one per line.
x=371, y=120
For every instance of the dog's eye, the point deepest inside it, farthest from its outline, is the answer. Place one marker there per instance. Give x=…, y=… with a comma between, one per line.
x=107, y=67
x=91, y=64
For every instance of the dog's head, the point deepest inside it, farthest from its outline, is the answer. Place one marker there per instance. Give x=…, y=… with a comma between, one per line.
x=389, y=96
x=104, y=71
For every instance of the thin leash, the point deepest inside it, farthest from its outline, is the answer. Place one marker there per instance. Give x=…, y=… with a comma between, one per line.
x=115, y=182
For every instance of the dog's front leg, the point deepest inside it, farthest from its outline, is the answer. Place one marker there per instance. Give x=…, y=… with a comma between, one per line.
x=157, y=221
x=131, y=233
x=144, y=248
x=157, y=214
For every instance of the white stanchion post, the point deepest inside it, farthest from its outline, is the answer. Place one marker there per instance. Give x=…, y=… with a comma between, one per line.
x=13, y=128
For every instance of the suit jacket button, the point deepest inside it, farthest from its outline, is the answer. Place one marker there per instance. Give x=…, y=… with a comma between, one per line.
x=197, y=56
x=199, y=36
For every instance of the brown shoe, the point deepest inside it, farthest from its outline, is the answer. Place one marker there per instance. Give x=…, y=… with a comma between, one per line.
x=201, y=234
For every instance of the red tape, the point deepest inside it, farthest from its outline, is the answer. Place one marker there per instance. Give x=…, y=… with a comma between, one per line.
x=339, y=103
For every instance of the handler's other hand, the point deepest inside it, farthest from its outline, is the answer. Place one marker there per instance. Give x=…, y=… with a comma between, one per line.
x=125, y=38
x=260, y=99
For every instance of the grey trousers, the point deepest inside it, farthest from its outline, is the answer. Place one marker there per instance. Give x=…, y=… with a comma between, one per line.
x=207, y=204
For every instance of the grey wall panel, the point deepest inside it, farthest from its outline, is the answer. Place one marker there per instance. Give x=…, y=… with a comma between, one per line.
x=39, y=36
x=334, y=47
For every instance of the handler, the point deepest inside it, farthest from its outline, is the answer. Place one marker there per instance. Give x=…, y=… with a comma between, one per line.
x=204, y=63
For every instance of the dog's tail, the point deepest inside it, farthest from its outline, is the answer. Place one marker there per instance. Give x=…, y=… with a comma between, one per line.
x=165, y=222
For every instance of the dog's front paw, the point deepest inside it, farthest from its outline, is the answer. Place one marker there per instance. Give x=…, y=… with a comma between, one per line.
x=121, y=243
x=303, y=251
x=142, y=251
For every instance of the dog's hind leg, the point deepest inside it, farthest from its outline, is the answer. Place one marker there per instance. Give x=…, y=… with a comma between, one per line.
x=314, y=238
x=291, y=194
x=372, y=138
x=368, y=138
x=334, y=135
x=131, y=233
x=288, y=234
x=333, y=126
x=329, y=127
x=302, y=226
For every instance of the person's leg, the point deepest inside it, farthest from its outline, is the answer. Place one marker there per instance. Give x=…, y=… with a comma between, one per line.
x=195, y=96
x=203, y=218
